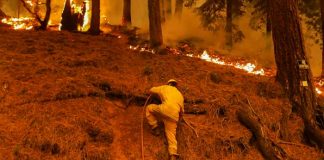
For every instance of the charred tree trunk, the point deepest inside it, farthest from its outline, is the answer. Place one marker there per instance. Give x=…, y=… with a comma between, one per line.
x=67, y=20
x=268, y=148
x=179, y=8
x=95, y=18
x=291, y=62
x=168, y=9
x=44, y=23
x=155, y=23
x=229, y=24
x=127, y=17
x=322, y=18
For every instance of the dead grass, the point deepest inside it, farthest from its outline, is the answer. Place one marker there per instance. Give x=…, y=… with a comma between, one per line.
x=65, y=67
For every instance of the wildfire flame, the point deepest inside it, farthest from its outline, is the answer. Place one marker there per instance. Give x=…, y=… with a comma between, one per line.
x=23, y=23
x=248, y=67
x=87, y=16
x=30, y=2
x=84, y=10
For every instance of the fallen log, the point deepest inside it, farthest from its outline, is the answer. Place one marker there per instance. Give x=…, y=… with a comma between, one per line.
x=269, y=149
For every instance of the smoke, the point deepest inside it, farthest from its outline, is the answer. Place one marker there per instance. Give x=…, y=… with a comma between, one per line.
x=313, y=50
x=188, y=28
x=255, y=45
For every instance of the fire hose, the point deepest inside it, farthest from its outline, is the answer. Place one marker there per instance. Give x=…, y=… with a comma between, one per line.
x=142, y=125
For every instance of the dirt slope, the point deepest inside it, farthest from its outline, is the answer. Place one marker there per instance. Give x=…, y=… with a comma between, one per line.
x=52, y=103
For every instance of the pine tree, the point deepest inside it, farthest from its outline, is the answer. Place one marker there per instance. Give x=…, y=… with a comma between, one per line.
x=127, y=17
x=292, y=64
x=95, y=18
x=155, y=23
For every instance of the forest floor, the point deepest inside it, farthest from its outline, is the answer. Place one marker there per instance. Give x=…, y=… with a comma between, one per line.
x=53, y=104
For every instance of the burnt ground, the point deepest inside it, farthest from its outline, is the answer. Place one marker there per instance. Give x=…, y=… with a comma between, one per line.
x=53, y=104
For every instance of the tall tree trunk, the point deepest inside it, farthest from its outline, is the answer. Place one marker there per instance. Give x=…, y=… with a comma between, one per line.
x=162, y=11
x=66, y=21
x=127, y=17
x=155, y=23
x=268, y=25
x=95, y=18
x=179, y=8
x=168, y=9
x=289, y=52
x=322, y=18
x=44, y=23
x=229, y=24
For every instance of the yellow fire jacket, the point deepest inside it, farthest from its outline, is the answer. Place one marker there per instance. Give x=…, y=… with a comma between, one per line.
x=172, y=100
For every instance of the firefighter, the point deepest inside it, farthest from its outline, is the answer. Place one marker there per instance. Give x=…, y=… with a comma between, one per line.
x=169, y=111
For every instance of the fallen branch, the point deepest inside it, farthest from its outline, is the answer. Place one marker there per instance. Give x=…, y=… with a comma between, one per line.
x=268, y=148
x=295, y=144
x=190, y=126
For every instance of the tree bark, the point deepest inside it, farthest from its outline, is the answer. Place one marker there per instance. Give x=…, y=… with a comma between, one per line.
x=229, y=24
x=289, y=51
x=66, y=21
x=179, y=8
x=155, y=23
x=95, y=18
x=127, y=17
x=322, y=18
x=268, y=148
x=44, y=23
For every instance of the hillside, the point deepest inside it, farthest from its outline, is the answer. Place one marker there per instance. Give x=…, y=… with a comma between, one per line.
x=53, y=102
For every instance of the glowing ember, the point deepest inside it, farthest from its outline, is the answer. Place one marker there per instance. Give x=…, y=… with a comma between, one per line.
x=24, y=23
x=318, y=91
x=141, y=49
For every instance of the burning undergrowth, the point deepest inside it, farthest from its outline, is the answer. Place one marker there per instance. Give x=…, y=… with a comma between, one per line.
x=71, y=124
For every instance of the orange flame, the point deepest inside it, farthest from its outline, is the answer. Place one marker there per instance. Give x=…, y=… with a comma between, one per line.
x=248, y=67
x=23, y=23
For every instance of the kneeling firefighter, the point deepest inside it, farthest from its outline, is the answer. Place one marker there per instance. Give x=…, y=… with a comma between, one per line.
x=169, y=111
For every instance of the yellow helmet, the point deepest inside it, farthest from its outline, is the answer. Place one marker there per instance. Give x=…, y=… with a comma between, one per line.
x=172, y=81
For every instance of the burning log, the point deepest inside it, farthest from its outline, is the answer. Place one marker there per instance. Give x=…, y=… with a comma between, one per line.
x=268, y=148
